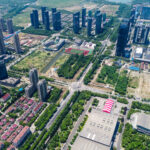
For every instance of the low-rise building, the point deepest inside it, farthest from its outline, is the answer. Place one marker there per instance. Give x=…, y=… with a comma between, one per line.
x=98, y=132
x=21, y=136
x=138, y=52
x=141, y=122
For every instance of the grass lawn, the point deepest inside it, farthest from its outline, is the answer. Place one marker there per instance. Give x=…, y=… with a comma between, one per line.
x=58, y=3
x=61, y=60
x=23, y=18
x=38, y=59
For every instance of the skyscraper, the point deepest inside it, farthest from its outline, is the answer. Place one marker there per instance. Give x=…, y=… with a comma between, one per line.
x=3, y=70
x=2, y=24
x=141, y=33
x=43, y=10
x=33, y=75
x=1, y=92
x=10, y=26
x=47, y=20
x=76, y=22
x=122, y=39
x=89, y=26
x=96, y=13
x=17, y=44
x=98, y=27
x=54, y=10
x=34, y=17
x=104, y=17
x=89, y=13
x=83, y=17
x=42, y=90
x=2, y=45
x=57, y=21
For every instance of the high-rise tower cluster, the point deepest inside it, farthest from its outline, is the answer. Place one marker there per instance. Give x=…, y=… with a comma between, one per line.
x=98, y=17
x=56, y=19
x=36, y=85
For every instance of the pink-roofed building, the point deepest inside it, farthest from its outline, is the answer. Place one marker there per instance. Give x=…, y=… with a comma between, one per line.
x=3, y=137
x=26, y=107
x=22, y=99
x=4, y=120
x=11, y=129
x=11, y=119
x=1, y=123
x=7, y=133
x=38, y=107
x=20, y=137
x=11, y=147
x=30, y=102
x=8, y=124
x=4, y=128
x=14, y=126
x=2, y=116
x=108, y=106
x=10, y=109
x=6, y=97
x=1, y=132
x=19, y=129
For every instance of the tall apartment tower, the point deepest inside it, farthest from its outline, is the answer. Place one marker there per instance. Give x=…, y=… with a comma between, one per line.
x=122, y=39
x=57, y=21
x=54, y=10
x=43, y=10
x=89, y=26
x=33, y=75
x=42, y=90
x=96, y=13
x=17, y=44
x=34, y=17
x=83, y=17
x=89, y=13
x=2, y=24
x=141, y=33
x=10, y=26
x=1, y=91
x=47, y=20
x=3, y=70
x=2, y=45
x=104, y=17
x=98, y=26
x=76, y=22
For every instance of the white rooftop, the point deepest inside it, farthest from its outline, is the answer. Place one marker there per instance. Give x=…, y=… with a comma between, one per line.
x=139, y=50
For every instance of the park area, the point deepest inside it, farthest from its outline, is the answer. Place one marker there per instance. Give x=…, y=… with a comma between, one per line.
x=139, y=84
x=38, y=59
x=23, y=19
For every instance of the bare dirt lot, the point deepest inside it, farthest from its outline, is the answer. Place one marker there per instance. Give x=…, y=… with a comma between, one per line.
x=79, y=7
x=110, y=10
x=142, y=84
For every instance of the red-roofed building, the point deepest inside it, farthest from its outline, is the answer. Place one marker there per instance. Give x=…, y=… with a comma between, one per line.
x=11, y=147
x=38, y=107
x=6, y=97
x=108, y=106
x=20, y=137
